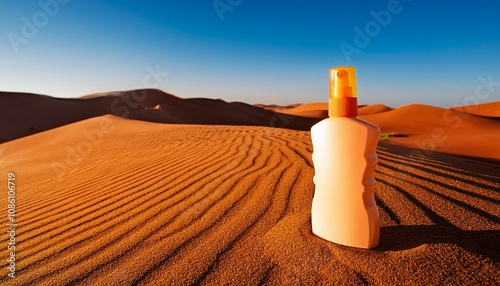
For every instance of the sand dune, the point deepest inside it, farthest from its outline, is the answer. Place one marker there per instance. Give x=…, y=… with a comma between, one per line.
x=428, y=128
x=431, y=129
x=320, y=109
x=488, y=109
x=313, y=110
x=373, y=109
x=434, y=129
x=219, y=112
x=23, y=114
x=109, y=201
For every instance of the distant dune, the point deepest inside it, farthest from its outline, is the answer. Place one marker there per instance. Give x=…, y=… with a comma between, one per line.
x=112, y=201
x=320, y=109
x=373, y=109
x=489, y=109
x=219, y=112
x=435, y=129
x=23, y=114
x=431, y=129
x=313, y=110
x=467, y=130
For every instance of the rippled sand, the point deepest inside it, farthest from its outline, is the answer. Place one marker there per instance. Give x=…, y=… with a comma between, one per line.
x=160, y=204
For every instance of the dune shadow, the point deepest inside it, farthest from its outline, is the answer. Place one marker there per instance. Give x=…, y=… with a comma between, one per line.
x=459, y=170
x=460, y=164
x=405, y=237
x=386, y=137
x=419, y=178
x=400, y=135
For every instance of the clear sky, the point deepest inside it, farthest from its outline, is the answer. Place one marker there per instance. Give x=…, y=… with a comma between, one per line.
x=256, y=51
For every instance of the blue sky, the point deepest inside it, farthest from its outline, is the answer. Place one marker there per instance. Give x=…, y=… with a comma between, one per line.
x=430, y=52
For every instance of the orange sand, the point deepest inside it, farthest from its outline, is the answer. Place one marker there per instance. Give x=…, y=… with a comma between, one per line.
x=488, y=109
x=434, y=129
x=161, y=204
x=320, y=109
x=428, y=128
x=467, y=131
x=373, y=109
x=313, y=110
x=23, y=114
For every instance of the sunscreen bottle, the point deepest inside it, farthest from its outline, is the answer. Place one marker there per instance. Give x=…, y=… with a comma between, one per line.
x=344, y=210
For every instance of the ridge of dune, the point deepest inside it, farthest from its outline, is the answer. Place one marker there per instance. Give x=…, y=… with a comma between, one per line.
x=428, y=128
x=151, y=95
x=137, y=203
x=311, y=110
x=219, y=112
x=435, y=129
x=373, y=109
x=273, y=106
x=320, y=109
x=23, y=114
x=488, y=109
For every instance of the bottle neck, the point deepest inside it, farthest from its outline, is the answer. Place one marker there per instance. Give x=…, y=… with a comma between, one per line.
x=343, y=107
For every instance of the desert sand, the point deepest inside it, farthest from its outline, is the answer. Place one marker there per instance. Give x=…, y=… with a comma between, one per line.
x=433, y=129
x=488, y=109
x=23, y=114
x=312, y=110
x=113, y=201
x=472, y=131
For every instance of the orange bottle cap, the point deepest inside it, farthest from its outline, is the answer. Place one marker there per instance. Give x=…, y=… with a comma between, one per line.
x=343, y=95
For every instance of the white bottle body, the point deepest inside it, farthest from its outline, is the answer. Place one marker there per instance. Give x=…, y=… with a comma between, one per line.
x=344, y=210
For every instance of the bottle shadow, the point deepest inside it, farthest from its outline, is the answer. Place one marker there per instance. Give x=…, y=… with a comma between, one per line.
x=405, y=237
